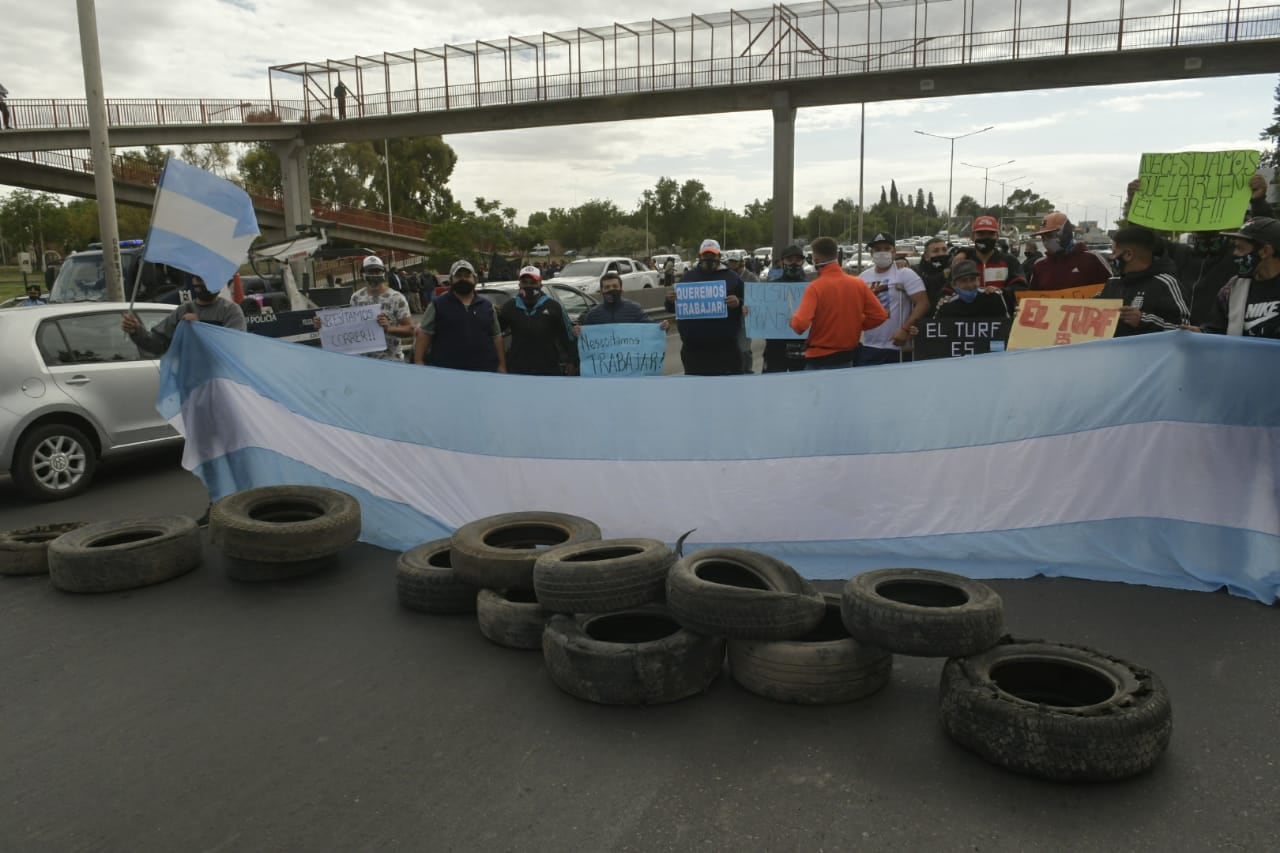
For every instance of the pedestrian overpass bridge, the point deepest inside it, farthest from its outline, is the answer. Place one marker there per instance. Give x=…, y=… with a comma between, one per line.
x=779, y=58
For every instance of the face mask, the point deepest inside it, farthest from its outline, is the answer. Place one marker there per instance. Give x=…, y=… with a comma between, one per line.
x=1118, y=264
x=201, y=294
x=938, y=264
x=967, y=295
x=1052, y=245
x=374, y=279
x=463, y=288
x=1206, y=244
x=612, y=296
x=882, y=260
x=793, y=270
x=709, y=264
x=1246, y=264
x=985, y=244
x=530, y=294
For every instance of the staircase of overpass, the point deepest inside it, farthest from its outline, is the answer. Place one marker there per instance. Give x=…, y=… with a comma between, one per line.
x=71, y=173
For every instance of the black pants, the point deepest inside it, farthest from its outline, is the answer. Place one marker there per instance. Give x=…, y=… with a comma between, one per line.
x=783, y=356
x=4, y=112
x=833, y=361
x=718, y=358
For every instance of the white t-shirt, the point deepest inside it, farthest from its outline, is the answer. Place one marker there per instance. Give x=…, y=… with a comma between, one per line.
x=902, y=285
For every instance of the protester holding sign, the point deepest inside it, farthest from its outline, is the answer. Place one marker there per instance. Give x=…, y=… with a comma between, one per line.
x=394, y=317
x=1066, y=263
x=709, y=344
x=1250, y=303
x=782, y=355
x=902, y=294
x=836, y=310
x=997, y=268
x=1152, y=297
x=968, y=299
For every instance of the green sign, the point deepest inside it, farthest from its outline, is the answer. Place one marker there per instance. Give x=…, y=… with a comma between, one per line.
x=1193, y=190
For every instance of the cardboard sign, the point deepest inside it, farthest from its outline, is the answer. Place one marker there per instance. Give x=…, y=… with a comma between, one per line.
x=1087, y=291
x=353, y=330
x=702, y=300
x=1053, y=322
x=953, y=338
x=621, y=349
x=1193, y=190
x=770, y=306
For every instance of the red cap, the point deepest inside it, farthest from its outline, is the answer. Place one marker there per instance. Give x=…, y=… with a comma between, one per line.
x=986, y=223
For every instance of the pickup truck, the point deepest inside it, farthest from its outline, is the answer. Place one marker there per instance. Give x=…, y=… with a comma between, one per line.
x=585, y=274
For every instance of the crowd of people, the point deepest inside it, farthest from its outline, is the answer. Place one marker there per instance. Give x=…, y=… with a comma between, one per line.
x=1224, y=282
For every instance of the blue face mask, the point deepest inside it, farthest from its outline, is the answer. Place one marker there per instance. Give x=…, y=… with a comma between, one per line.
x=967, y=295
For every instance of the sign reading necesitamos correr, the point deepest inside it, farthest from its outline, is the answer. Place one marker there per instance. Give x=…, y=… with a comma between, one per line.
x=1193, y=190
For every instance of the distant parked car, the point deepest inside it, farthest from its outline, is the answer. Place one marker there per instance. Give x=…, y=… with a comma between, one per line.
x=82, y=279
x=575, y=301
x=585, y=274
x=75, y=389
x=540, y=251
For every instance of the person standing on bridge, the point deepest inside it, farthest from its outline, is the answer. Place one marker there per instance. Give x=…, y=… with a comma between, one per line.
x=340, y=92
x=4, y=108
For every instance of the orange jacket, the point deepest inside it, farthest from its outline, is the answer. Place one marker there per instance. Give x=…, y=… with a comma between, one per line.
x=836, y=309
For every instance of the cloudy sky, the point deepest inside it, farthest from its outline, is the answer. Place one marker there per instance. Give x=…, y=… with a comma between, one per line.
x=1077, y=146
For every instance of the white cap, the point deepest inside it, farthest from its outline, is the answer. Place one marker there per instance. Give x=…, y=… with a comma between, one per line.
x=709, y=246
x=373, y=262
x=530, y=271
x=461, y=265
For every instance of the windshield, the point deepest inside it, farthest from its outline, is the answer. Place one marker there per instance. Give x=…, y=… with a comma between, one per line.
x=82, y=279
x=586, y=269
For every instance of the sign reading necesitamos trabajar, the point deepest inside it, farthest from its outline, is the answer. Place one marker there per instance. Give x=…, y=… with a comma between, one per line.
x=701, y=300
x=1193, y=190
x=621, y=349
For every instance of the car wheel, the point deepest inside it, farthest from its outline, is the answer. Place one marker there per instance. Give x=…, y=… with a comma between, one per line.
x=54, y=462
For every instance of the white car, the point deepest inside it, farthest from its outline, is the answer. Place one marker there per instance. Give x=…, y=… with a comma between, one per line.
x=585, y=274
x=660, y=262
x=74, y=389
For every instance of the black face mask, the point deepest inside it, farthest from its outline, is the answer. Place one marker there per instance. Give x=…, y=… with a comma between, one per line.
x=612, y=296
x=939, y=264
x=1208, y=244
x=709, y=264
x=530, y=294
x=374, y=279
x=1246, y=264
x=463, y=288
x=201, y=294
x=985, y=244
x=795, y=271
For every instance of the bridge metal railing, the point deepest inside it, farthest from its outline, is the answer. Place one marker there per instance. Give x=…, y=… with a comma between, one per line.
x=1233, y=24
x=130, y=171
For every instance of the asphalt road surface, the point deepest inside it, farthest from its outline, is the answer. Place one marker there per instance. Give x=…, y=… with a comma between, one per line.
x=316, y=715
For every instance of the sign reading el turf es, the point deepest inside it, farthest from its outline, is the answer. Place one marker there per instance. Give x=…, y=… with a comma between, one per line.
x=1054, y=322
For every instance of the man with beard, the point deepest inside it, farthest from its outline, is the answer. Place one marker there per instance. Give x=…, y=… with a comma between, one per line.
x=540, y=338
x=204, y=307
x=709, y=346
x=932, y=269
x=459, y=329
x=1152, y=296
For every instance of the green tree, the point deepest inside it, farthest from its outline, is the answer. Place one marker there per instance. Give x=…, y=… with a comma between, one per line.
x=893, y=193
x=920, y=207
x=968, y=206
x=32, y=222
x=211, y=156
x=931, y=209
x=1027, y=203
x=81, y=219
x=1272, y=137
x=622, y=240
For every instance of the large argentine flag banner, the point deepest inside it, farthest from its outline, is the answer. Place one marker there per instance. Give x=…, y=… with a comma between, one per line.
x=201, y=223
x=1150, y=460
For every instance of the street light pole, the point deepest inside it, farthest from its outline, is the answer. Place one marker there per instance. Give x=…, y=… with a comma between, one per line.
x=985, y=171
x=951, y=180
x=862, y=158
x=100, y=148
x=1003, y=181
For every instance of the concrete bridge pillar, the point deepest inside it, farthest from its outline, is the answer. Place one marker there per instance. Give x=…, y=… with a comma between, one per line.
x=784, y=162
x=296, y=186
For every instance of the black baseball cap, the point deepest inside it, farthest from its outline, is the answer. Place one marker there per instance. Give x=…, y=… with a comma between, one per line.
x=1262, y=230
x=795, y=250
x=882, y=237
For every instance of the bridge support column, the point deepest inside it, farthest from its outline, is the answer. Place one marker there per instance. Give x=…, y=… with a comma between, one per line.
x=296, y=185
x=784, y=163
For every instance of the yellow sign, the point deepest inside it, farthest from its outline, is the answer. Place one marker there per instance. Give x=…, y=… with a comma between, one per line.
x=1053, y=322
x=1088, y=291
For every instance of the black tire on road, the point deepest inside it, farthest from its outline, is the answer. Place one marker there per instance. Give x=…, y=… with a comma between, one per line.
x=511, y=618
x=425, y=581
x=824, y=667
x=26, y=551
x=54, y=462
x=1055, y=711
x=634, y=657
x=602, y=577
x=498, y=552
x=742, y=595
x=922, y=612
x=113, y=555
x=278, y=532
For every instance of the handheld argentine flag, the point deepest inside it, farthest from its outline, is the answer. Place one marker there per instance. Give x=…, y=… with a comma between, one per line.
x=201, y=224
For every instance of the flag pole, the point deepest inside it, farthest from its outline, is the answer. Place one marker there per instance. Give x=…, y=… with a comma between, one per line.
x=137, y=278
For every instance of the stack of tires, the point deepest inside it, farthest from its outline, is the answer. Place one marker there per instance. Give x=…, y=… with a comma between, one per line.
x=274, y=533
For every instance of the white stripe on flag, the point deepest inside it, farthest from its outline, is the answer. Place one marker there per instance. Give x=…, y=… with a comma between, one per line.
x=203, y=225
